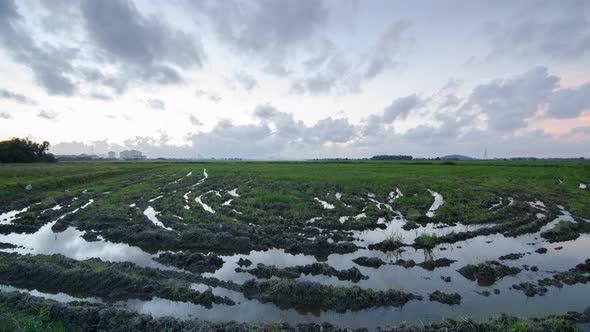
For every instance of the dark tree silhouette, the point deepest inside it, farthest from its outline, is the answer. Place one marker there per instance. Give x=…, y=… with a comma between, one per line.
x=391, y=157
x=24, y=150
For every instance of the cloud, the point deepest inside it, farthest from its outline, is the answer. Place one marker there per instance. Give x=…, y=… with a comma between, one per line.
x=156, y=104
x=195, y=121
x=6, y=94
x=101, y=96
x=49, y=115
x=247, y=81
x=265, y=111
x=127, y=37
x=569, y=102
x=276, y=134
x=401, y=107
x=209, y=95
x=331, y=70
x=508, y=103
x=336, y=74
x=107, y=43
x=264, y=28
x=386, y=53
x=50, y=64
x=542, y=28
x=330, y=130
x=4, y=115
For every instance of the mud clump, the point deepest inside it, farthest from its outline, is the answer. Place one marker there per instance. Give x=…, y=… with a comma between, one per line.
x=373, y=262
x=566, y=231
x=244, y=262
x=512, y=256
x=304, y=294
x=541, y=251
x=450, y=299
x=93, y=277
x=488, y=272
x=430, y=265
x=4, y=245
x=193, y=262
x=267, y=271
x=530, y=289
x=576, y=275
x=321, y=247
x=386, y=245
x=410, y=225
x=405, y=263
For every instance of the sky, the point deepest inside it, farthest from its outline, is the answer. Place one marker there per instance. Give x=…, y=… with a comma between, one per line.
x=287, y=79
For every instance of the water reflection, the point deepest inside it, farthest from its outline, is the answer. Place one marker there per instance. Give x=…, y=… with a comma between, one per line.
x=416, y=279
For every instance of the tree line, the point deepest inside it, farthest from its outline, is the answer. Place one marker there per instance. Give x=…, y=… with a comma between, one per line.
x=391, y=157
x=24, y=150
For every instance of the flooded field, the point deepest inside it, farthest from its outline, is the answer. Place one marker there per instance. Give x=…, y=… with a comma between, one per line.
x=358, y=245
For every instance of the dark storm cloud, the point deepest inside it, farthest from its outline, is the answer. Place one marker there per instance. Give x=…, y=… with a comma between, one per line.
x=51, y=65
x=19, y=98
x=265, y=28
x=143, y=49
x=147, y=44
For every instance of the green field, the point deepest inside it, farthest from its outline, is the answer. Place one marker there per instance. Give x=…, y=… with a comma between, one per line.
x=468, y=187
x=326, y=239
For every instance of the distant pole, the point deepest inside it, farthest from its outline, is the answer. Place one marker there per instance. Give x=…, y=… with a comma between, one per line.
x=485, y=153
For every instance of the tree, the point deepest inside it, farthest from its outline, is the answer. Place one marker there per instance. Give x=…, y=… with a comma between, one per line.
x=24, y=150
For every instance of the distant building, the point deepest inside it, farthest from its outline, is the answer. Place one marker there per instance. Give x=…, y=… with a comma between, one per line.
x=131, y=155
x=112, y=155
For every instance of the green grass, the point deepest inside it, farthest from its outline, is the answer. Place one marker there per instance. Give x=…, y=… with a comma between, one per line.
x=287, y=189
x=427, y=241
x=11, y=320
x=393, y=241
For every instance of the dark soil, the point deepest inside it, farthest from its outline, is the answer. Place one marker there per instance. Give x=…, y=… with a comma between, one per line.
x=93, y=277
x=268, y=271
x=193, y=262
x=374, y=262
x=304, y=294
x=445, y=298
x=244, y=262
x=430, y=265
x=488, y=272
x=512, y=256
x=566, y=231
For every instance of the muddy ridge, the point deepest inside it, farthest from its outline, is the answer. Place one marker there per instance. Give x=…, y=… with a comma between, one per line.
x=304, y=294
x=267, y=271
x=93, y=277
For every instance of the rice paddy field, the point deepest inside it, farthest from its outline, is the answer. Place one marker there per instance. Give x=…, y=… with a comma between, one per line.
x=394, y=246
